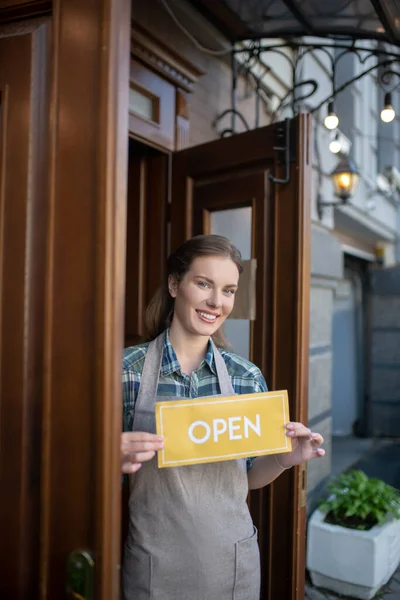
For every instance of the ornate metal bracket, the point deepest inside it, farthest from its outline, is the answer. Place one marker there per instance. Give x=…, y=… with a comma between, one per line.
x=321, y=205
x=301, y=90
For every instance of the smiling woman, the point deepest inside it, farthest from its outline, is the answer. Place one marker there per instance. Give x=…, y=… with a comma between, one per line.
x=190, y=531
x=204, y=295
x=189, y=268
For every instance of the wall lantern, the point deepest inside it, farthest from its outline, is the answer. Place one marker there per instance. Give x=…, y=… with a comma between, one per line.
x=345, y=178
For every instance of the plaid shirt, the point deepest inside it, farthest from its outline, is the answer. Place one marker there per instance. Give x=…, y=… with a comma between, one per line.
x=246, y=378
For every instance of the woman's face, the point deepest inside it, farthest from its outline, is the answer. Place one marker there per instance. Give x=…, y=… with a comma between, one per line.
x=205, y=296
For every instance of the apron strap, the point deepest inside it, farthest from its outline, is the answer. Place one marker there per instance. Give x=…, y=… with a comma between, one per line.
x=224, y=379
x=152, y=367
x=144, y=407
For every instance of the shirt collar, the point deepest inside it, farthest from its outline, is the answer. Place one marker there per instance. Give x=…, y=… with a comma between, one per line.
x=209, y=357
x=170, y=362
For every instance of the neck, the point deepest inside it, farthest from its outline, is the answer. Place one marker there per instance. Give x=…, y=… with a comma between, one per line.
x=190, y=349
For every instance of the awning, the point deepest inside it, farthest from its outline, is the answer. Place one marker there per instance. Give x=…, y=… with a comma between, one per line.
x=255, y=19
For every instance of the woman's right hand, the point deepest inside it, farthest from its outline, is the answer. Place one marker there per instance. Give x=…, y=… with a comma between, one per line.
x=136, y=448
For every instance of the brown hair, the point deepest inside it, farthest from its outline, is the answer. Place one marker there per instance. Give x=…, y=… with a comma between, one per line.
x=161, y=308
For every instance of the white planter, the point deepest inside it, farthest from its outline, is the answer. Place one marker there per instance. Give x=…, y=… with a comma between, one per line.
x=351, y=562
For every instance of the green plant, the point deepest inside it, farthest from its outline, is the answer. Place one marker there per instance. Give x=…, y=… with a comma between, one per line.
x=360, y=502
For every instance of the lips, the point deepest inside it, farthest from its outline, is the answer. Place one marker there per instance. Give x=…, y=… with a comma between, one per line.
x=207, y=316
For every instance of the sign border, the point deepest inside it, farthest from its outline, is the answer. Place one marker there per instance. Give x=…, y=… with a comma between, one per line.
x=170, y=404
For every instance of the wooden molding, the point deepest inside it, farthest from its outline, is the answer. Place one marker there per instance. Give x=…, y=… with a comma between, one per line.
x=147, y=49
x=159, y=127
x=85, y=243
x=182, y=107
x=182, y=124
x=11, y=10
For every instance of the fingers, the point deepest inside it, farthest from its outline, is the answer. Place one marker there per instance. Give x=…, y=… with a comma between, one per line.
x=317, y=453
x=299, y=430
x=140, y=436
x=138, y=447
x=307, y=440
x=134, y=463
x=317, y=439
x=129, y=468
x=138, y=457
x=139, y=441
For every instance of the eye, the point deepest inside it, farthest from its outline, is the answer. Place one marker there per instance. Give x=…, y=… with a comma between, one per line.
x=230, y=292
x=203, y=284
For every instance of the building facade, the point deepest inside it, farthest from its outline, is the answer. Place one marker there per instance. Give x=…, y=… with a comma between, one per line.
x=115, y=146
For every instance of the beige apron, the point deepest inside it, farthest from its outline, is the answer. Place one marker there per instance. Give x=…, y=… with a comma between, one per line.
x=191, y=536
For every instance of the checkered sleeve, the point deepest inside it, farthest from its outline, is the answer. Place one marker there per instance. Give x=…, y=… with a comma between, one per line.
x=129, y=393
x=128, y=399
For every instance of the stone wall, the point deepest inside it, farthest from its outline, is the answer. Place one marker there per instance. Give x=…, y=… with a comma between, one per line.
x=326, y=270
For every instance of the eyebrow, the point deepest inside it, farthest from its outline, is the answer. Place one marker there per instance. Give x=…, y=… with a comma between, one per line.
x=211, y=281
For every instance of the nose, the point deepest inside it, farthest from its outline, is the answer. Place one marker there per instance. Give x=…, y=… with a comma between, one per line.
x=215, y=299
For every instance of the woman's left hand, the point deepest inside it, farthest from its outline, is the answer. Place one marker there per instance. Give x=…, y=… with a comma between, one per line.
x=305, y=445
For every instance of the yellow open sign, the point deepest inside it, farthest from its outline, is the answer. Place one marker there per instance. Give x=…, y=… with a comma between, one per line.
x=222, y=428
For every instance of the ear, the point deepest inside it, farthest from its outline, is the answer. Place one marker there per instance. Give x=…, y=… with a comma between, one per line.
x=172, y=285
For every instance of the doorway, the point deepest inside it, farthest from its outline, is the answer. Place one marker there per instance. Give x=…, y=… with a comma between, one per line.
x=229, y=187
x=346, y=347
x=147, y=232
x=349, y=337
x=349, y=423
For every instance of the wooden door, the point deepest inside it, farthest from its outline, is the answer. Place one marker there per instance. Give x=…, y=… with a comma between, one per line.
x=64, y=82
x=235, y=173
x=22, y=201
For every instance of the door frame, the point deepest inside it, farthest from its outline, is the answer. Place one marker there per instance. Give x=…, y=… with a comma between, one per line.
x=95, y=261
x=77, y=424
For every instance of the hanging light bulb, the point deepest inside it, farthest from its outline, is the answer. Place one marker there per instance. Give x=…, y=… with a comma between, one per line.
x=388, y=112
x=331, y=120
x=334, y=145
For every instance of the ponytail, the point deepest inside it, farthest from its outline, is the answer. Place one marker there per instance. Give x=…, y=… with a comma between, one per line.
x=159, y=313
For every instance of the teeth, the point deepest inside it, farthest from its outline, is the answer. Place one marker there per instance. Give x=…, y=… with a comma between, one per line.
x=207, y=316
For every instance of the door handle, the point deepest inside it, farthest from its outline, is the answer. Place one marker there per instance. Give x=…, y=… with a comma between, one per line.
x=80, y=575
